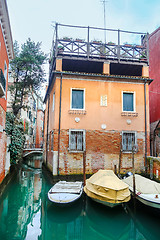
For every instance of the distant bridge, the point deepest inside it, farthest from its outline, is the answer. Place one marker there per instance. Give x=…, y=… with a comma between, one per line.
x=30, y=149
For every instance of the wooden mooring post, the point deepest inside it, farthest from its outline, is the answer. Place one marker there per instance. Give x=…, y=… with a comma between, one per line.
x=133, y=171
x=84, y=167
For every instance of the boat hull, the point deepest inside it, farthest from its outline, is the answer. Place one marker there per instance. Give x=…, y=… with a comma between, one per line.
x=64, y=192
x=106, y=188
x=147, y=191
x=108, y=204
x=149, y=200
x=63, y=198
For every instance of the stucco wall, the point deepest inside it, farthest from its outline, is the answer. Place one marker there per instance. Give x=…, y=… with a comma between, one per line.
x=102, y=144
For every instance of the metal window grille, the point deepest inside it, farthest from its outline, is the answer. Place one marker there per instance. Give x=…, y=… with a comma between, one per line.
x=76, y=141
x=128, y=140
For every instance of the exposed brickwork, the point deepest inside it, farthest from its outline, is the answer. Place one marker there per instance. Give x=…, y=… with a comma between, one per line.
x=102, y=152
x=155, y=162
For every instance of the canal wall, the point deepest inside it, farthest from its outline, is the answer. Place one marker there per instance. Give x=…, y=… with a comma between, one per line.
x=8, y=178
x=55, y=178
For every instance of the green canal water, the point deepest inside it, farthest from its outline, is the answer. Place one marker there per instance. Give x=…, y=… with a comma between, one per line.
x=26, y=213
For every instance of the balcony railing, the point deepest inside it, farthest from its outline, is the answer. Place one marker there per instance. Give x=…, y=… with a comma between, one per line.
x=2, y=84
x=98, y=49
x=33, y=146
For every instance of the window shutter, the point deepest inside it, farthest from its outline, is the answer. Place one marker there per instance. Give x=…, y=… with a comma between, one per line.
x=80, y=141
x=72, y=143
x=128, y=102
x=77, y=99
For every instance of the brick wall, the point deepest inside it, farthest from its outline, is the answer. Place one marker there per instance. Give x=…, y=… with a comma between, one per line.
x=154, y=167
x=102, y=152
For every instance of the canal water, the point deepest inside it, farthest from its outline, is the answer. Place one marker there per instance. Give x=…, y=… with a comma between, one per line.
x=26, y=213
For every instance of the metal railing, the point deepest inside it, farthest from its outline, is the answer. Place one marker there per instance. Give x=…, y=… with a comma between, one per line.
x=88, y=48
x=33, y=146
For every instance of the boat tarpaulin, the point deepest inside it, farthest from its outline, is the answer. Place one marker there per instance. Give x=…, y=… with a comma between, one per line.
x=143, y=185
x=106, y=186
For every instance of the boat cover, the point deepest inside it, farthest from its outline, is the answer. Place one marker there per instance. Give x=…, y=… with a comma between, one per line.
x=67, y=187
x=106, y=186
x=143, y=184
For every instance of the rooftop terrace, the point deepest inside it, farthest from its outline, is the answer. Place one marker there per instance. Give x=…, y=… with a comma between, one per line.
x=91, y=49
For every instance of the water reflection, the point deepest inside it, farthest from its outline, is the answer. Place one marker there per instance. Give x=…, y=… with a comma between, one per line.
x=34, y=161
x=114, y=224
x=26, y=213
x=21, y=204
x=144, y=222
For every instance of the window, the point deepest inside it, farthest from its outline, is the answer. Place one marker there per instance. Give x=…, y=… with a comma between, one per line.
x=76, y=140
x=128, y=140
x=128, y=101
x=53, y=101
x=5, y=70
x=34, y=105
x=77, y=99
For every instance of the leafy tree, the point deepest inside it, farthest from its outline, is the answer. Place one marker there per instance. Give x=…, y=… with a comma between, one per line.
x=27, y=72
x=15, y=129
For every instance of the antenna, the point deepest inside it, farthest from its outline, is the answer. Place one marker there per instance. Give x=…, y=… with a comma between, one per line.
x=104, y=6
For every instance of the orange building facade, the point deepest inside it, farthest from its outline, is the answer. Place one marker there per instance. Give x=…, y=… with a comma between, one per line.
x=6, y=53
x=94, y=106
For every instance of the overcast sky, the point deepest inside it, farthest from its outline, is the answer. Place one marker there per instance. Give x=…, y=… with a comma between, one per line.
x=35, y=18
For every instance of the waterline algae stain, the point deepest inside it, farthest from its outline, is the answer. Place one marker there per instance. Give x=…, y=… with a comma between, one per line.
x=26, y=213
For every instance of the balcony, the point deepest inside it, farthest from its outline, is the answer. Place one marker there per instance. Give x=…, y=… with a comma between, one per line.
x=2, y=84
x=87, y=48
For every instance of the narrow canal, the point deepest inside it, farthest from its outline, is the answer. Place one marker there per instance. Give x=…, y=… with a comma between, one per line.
x=26, y=213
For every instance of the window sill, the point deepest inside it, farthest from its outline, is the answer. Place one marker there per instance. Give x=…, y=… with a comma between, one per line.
x=75, y=151
x=129, y=114
x=79, y=112
x=127, y=152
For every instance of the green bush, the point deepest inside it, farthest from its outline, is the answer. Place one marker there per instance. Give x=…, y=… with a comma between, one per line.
x=15, y=129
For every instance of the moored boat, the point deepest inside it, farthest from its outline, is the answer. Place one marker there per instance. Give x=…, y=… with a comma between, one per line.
x=65, y=192
x=147, y=191
x=106, y=188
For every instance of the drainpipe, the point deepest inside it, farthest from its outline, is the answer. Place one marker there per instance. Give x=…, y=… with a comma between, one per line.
x=145, y=116
x=59, y=128
x=47, y=129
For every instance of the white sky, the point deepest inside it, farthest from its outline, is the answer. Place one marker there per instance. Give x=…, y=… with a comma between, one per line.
x=34, y=18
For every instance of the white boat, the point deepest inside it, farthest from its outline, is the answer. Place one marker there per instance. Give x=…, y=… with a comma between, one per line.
x=106, y=188
x=65, y=192
x=147, y=191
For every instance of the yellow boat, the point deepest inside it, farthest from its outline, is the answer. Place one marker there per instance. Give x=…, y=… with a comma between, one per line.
x=106, y=188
